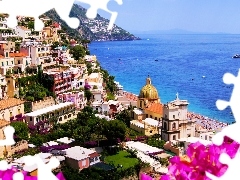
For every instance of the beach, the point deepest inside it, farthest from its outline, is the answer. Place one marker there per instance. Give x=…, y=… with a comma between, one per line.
x=201, y=120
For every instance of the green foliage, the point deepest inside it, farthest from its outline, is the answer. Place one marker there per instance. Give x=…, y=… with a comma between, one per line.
x=110, y=96
x=30, y=152
x=35, y=87
x=78, y=52
x=109, y=80
x=156, y=143
x=55, y=44
x=30, y=25
x=125, y=117
x=114, y=129
x=88, y=94
x=21, y=130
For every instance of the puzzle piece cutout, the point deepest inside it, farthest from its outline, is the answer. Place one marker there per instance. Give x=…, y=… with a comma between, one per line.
x=21, y=7
x=232, y=130
x=101, y=4
x=34, y=9
x=232, y=172
x=44, y=170
x=9, y=134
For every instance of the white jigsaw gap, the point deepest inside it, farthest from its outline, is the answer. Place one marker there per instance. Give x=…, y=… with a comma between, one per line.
x=44, y=170
x=9, y=134
x=21, y=8
x=232, y=172
x=95, y=5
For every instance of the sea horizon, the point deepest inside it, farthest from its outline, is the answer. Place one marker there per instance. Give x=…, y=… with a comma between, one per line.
x=191, y=65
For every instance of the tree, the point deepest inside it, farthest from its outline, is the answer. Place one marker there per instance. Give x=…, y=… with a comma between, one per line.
x=125, y=117
x=21, y=130
x=114, y=129
x=78, y=52
x=88, y=94
x=30, y=25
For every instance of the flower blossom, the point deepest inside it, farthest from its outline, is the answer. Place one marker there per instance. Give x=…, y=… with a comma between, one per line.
x=199, y=159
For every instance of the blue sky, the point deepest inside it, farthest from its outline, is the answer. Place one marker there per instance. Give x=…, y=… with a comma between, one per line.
x=211, y=16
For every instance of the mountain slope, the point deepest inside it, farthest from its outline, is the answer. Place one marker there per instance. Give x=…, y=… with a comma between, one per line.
x=94, y=30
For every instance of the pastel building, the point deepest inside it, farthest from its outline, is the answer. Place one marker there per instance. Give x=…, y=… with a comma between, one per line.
x=149, y=108
x=95, y=77
x=148, y=126
x=61, y=112
x=62, y=80
x=80, y=158
x=23, y=32
x=77, y=97
x=11, y=109
x=175, y=124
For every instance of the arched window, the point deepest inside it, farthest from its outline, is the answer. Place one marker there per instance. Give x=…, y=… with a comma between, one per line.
x=165, y=125
x=174, y=126
x=174, y=137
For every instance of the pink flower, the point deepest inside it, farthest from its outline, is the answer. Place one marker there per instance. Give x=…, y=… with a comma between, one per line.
x=199, y=159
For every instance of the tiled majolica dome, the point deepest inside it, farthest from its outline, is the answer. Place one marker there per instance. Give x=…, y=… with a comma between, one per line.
x=148, y=91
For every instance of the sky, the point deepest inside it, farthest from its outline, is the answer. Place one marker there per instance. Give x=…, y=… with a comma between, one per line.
x=210, y=16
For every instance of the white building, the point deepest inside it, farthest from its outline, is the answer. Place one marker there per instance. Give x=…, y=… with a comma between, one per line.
x=62, y=112
x=175, y=124
x=23, y=32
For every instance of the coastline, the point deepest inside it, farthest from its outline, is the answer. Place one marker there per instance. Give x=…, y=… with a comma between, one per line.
x=203, y=121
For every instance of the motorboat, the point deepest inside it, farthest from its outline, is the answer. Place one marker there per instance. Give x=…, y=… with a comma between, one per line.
x=236, y=56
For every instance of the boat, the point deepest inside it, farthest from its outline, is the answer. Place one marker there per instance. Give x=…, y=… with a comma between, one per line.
x=236, y=56
x=156, y=60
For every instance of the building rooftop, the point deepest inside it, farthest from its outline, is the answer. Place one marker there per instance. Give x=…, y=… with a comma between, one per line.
x=151, y=122
x=138, y=111
x=194, y=140
x=10, y=102
x=155, y=108
x=48, y=109
x=93, y=75
x=137, y=123
x=65, y=140
x=78, y=153
x=4, y=123
x=142, y=147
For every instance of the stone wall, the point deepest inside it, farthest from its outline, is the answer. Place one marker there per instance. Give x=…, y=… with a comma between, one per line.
x=19, y=146
x=46, y=102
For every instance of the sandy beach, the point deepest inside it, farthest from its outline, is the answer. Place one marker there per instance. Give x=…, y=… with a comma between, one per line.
x=206, y=122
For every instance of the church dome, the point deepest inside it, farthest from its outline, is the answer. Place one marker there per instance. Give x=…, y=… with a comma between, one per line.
x=148, y=91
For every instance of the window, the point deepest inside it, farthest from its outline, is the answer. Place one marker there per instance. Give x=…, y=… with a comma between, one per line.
x=84, y=163
x=140, y=104
x=2, y=64
x=7, y=63
x=151, y=131
x=96, y=109
x=11, y=114
x=155, y=118
x=173, y=116
x=146, y=115
x=30, y=118
x=18, y=61
x=174, y=137
x=174, y=126
x=150, y=116
x=165, y=125
x=96, y=158
x=19, y=111
x=12, y=62
x=165, y=116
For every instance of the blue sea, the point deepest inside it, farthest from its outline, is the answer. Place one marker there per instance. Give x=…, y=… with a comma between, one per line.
x=182, y=62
